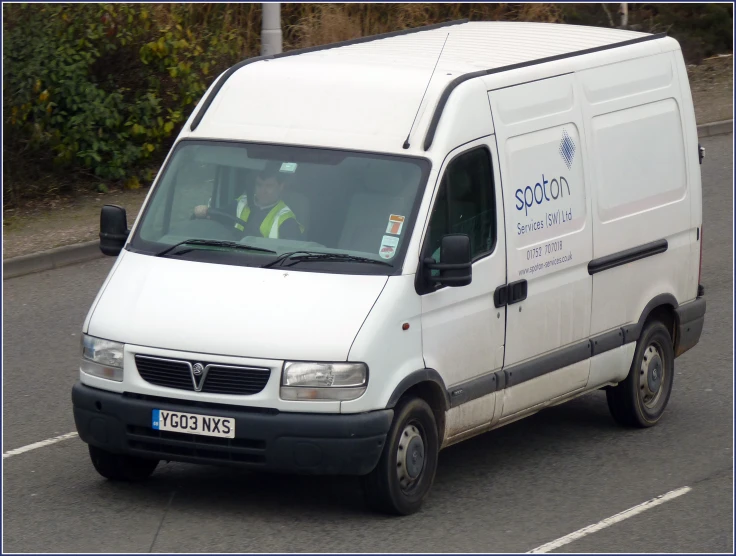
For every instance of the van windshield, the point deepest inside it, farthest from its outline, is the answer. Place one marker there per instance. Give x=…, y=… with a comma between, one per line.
x=272, y=206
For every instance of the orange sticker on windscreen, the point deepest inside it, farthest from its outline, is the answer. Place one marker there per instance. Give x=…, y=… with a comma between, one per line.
x=395, y=223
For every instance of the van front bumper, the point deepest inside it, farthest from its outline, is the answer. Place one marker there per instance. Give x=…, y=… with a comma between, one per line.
x=305, y=443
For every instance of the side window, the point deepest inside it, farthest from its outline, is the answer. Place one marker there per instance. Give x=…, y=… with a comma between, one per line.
x=465, y=204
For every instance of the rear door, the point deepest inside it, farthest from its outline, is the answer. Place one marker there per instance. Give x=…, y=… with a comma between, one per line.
x=539, y=131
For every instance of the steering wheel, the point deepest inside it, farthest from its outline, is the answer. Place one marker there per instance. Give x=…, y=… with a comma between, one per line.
x=226, y=215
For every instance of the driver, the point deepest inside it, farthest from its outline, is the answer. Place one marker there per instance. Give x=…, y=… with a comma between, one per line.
x=268, y=215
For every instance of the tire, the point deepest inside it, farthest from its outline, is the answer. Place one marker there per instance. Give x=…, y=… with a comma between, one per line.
x=405, y=472
x=640, y=400
x=120, y=467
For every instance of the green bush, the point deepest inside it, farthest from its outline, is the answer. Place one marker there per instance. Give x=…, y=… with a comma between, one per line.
x=102, y=88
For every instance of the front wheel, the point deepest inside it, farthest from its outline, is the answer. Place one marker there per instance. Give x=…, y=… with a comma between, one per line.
x=640, y=400
x=406, y=470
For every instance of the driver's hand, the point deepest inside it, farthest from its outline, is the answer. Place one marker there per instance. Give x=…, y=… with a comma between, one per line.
x=200, y=211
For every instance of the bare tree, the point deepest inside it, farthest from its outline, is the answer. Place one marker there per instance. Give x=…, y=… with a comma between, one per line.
x=608, y=13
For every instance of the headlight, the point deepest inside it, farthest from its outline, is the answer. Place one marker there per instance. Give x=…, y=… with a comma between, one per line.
x=323, y=381
x=102, y=358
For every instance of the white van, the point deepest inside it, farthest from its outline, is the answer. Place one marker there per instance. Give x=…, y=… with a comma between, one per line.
x=357, y=255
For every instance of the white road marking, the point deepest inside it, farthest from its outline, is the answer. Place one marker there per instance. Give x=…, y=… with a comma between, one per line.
x=41, y=444
x=626, y=514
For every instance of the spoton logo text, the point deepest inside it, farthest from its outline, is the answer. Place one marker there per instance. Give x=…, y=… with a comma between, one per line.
x=547, y=190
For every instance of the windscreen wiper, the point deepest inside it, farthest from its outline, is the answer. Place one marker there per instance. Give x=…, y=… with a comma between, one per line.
x=307, y=256
x=214, y=243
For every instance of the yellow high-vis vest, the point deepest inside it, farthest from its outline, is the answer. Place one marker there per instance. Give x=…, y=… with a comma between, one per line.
x=279, y=214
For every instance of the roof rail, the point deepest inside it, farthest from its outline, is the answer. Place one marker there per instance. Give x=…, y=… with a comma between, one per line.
x=216, y=89
x=452, y=85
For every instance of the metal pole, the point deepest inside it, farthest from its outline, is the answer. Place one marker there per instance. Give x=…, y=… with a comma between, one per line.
x=624, y=14
x=271, y=29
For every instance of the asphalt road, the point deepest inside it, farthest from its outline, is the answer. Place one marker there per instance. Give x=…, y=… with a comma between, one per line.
x=509, y=490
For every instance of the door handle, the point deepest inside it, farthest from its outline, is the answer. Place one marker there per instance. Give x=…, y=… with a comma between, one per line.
x=508, y=294
x=500, y=296
x=517, y=291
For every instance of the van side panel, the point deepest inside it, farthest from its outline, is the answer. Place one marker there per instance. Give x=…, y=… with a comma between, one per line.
x=692, y=161
x=549, y=233
x=520, y=398
x=470, y=418
x=640, y=186
x=548, y=226
x=611, y=366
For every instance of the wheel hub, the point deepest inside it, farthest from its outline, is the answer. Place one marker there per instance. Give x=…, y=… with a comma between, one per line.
x=651, y=374
x=410, y=457
x=655, y=374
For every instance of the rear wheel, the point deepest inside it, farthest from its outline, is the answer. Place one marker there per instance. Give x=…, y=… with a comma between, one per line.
x=640, y=400
x=121, y=467
x=405, y=472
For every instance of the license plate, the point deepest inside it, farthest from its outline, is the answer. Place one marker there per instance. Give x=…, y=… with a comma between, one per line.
x=205, y=425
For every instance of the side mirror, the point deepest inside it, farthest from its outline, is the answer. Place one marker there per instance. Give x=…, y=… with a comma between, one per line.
x=456, y=268
x=113, y=229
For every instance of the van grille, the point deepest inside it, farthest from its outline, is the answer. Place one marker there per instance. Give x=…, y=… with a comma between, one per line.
x=214, y=379
x=162, y=372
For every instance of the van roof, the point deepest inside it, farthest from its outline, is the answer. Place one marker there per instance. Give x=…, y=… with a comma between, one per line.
x=365, y=93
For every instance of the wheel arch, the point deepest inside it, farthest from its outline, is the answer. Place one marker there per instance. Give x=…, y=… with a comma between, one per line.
x=428, y=385
x=662, y=307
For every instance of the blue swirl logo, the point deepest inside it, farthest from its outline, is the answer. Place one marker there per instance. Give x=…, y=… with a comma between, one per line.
x=567, y=149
